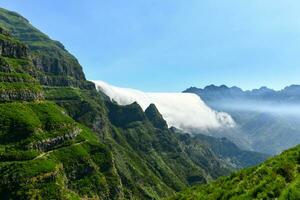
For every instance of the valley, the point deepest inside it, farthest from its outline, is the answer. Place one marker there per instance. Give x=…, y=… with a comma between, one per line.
x=65, y=137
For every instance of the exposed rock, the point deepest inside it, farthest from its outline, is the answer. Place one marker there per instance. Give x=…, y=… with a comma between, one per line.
x=47, y=144
x=12, y=49
x=12, y=78
x=125, y=115
x=155, y=117
x=20, y=95
x=64, y=81
x=56, y=65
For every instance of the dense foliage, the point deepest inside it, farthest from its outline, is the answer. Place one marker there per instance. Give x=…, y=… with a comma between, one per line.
x=277, y=178
x=61, y=139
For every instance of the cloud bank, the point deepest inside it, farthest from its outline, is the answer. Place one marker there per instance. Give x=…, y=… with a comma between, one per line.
x=182, y=110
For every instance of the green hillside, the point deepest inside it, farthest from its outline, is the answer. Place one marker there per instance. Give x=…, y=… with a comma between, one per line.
x=277, y=178
x=61, y=139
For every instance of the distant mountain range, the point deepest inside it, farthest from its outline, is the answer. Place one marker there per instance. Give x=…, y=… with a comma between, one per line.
x=60, y=138
x=267, y=120
x=290, y=94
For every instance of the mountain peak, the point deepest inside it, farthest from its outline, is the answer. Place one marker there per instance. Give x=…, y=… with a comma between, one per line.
x=155, y=117
x=291, y=87
x=214, y=87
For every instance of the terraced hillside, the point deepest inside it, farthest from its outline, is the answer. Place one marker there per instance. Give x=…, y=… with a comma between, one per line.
x=61, y=139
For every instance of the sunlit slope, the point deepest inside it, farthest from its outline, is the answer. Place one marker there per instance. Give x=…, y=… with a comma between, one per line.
x=61, y=139
x=47, y=153
x=44, y=153
x=277, y=178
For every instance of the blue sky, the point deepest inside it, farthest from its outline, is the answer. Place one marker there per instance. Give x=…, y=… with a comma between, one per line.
x=170, y=45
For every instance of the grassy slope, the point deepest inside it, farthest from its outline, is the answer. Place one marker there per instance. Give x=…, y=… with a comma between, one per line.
x=44, y=153
x=116, y=152
x=277, y=178
x=44, y=51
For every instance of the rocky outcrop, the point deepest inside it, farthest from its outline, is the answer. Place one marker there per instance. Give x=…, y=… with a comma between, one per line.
x=16, y=77
x=57, y=64
x=49, y=143
x=64, y=81
x=15, y=84
x=155, y=117
x=123, y=116
x=12, y=48
x=20, y=95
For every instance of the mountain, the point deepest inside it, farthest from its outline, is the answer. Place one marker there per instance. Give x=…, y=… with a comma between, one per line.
x=62, y=139
x=181, y=110
x=228, y=151
x=277, y=178
x=155, y=117
x=290, y=94
x=264, y=117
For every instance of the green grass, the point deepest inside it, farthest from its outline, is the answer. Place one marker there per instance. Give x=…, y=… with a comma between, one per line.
x=41, y=46
x=17, y=86
x=25, y=124
x=62, y=93
x=16, y=77
x=277, y=178
x=19, y=65
x=78, y=168
x=12, y=40
x=118, y=154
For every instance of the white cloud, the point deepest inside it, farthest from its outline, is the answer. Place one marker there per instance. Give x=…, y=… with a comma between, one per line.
x=181, y=110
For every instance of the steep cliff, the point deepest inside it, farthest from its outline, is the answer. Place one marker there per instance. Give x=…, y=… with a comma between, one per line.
x=61, y=139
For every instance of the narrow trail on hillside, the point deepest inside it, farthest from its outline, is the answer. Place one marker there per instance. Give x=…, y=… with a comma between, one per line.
x=45, y=153
x=49, y=152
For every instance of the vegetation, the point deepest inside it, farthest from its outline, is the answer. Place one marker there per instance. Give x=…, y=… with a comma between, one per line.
x=277, y=178
x=61, y=139
x=49, y=55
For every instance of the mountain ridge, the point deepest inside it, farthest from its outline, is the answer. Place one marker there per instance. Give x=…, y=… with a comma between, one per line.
x=263, y=93
x=223, y=86
x=263, y=116
x=62, y=139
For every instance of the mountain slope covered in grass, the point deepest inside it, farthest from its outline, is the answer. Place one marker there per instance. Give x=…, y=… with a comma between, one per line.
x=277, y=178
x=61, y=139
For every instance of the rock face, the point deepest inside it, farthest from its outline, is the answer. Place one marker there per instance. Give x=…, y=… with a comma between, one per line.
x=125, y=115
x=57, y=65
x=47, y=144
x=155, y=117
x=47, y=55
x=126, y=153
x=12, y=49
x=20, y=95
x=15, y=85
x=62, y=81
